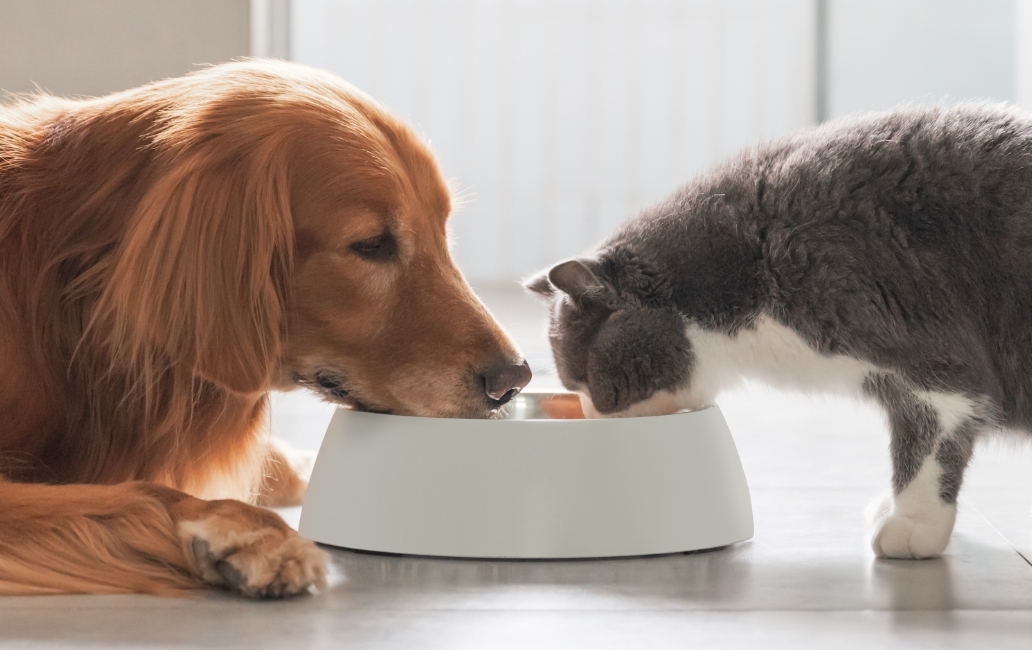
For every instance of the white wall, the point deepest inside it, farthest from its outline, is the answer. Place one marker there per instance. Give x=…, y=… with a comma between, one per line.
x=883, y=52
x=270, y=28
x=559, y=118
x=556, y=118
x=93, y=47
x=1023, y=53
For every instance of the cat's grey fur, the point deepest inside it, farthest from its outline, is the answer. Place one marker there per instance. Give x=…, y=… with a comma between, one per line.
x=901, y=240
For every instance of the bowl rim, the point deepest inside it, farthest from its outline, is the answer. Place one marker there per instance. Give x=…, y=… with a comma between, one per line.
x=553, y=421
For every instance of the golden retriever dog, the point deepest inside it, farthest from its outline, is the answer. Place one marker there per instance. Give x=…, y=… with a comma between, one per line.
x=170, y=254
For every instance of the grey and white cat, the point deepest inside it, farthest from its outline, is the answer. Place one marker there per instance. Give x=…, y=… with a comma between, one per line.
x=888, y=256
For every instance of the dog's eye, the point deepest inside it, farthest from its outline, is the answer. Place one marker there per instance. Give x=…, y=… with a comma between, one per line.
x=381, y=248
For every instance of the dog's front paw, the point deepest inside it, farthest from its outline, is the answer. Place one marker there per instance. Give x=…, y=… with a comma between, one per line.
x=909, y=535
x=287, y=471
x=251, y=551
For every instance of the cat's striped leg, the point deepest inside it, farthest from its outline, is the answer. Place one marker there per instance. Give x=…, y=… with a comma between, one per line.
x=932, y=435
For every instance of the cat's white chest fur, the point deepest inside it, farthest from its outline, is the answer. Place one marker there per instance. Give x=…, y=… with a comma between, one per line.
x=773, y=353
x=769, y=352
x=778, y=356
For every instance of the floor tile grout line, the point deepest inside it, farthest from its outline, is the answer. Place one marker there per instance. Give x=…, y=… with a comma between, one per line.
x=970, y=505
x=872, y=491
x=670, y=610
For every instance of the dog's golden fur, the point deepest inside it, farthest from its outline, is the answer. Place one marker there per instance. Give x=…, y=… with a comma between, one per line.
x=168, y=255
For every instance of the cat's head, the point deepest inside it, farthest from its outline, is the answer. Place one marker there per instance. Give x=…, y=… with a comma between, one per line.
x=613, y=341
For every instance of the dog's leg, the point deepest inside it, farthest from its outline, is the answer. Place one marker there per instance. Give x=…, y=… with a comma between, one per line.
x=932, y=436
x=142, y=537
x=287, y=471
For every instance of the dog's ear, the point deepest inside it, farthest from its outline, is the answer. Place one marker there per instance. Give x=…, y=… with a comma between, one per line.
x=576, y=279
x=201, y=276
x=539, y=284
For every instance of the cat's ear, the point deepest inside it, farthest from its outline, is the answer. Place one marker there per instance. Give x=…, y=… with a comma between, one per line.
x=540, y=284
x=576, y=279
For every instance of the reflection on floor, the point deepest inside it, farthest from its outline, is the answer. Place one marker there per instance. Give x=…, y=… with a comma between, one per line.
x=806, y=580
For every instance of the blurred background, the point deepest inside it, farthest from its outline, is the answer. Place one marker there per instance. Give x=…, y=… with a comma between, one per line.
x=554, y=119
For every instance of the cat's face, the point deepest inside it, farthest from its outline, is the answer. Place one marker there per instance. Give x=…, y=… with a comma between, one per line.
x=623, y=357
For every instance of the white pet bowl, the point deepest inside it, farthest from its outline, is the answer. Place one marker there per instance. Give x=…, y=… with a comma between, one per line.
x=529, y=486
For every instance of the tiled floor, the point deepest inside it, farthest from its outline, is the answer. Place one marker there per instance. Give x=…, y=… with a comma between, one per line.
x=806, y=580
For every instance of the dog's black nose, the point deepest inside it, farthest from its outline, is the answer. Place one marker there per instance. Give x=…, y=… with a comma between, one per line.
x=502, y=382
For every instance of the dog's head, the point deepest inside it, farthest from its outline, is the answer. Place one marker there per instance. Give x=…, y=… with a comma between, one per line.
x=296, y=235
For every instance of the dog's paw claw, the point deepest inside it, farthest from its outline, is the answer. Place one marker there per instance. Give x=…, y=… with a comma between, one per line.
x=233, y=576
x=201, y=550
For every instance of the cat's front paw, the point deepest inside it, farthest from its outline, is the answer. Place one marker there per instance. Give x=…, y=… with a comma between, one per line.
x=916, y=536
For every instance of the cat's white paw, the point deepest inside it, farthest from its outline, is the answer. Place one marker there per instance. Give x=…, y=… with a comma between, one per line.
x=910, y=535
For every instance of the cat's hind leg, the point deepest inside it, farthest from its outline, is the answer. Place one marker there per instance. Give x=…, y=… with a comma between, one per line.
x=932, y=436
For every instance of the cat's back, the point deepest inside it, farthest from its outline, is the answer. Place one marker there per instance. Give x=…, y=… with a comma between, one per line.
x=929, y=173
x=980, y=129
x=941, y=196
x=932, y=171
